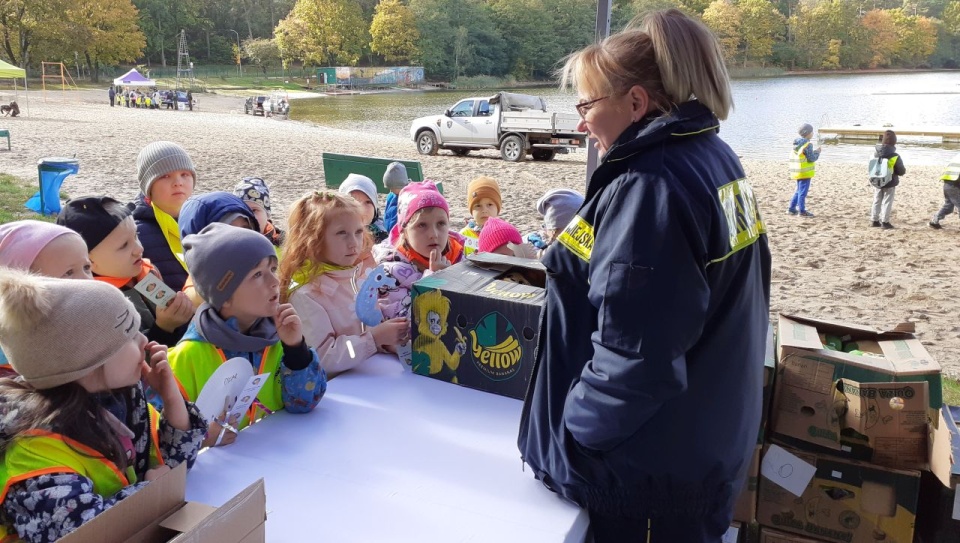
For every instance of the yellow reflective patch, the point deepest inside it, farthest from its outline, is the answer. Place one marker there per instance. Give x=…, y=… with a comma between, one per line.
x=742, y=214
x=578, y=237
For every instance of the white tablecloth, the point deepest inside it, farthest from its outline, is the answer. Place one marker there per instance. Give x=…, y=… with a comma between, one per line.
x=391, y=456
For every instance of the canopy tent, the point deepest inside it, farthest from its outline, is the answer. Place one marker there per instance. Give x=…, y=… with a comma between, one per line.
x=9, y=71
x=133, y=78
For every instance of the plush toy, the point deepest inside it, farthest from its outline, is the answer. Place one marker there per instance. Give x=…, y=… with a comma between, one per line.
x=430, y=355
x=377, y=283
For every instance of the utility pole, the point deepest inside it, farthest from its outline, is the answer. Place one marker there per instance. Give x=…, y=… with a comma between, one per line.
x=239, y=52
x=603, y=30
x=184, y=66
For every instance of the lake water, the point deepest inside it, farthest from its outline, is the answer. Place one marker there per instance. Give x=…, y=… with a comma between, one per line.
x=763, y=125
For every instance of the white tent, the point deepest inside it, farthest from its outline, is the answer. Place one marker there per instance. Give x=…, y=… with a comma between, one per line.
x=11, y=71
x=133, y=78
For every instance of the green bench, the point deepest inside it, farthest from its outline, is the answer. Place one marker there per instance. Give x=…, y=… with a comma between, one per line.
x=6, y=133
x=336, y=168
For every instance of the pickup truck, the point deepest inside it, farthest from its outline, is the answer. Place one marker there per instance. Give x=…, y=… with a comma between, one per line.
x=513, y=123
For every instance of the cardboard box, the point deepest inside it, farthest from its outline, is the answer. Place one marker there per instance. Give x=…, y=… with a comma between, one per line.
x=839, y=500
x=745, y=509
x=773, y=536
x=939, y=517
x=810, y=404
x=475, y=327
x=158, y=514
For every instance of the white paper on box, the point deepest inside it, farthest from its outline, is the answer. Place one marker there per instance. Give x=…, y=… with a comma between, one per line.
x=787, y=470
x=956, y=503
x=731, y=536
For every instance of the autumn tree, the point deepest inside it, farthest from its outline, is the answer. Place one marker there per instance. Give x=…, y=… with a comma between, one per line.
x=882, y=30
x=827, y=35
x=25, y=23
x=394, y=31
x=916, y=38
x=459, y=37
x=262, y=52
x=323, y=32
x=105, y=32
x=723, y=17
x=761, y=25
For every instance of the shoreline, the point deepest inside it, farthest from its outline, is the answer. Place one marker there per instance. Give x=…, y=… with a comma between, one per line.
x=834, y=265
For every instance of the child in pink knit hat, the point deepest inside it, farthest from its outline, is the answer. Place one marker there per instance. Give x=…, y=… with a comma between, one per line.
x=499, y=236
x=419, y=244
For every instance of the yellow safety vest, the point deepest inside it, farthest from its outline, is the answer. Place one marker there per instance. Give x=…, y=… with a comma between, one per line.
x=952, y=171
x=471, y=241
x=193, y=363
x=38, y=452
x=799, y=167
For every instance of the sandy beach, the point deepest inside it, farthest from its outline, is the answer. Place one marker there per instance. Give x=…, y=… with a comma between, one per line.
x=834, y=265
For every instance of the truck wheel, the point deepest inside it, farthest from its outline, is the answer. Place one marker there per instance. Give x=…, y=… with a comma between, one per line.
x=460, y=151
x=512, y=149
x=545, y=155
x=427, y=143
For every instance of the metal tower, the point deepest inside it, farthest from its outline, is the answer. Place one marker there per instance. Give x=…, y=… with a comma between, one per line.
x=184, y=66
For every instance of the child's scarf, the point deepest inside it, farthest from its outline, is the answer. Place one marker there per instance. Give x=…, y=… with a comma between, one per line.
x=310, y=271
x=453, y=253
x=171, y=232
x=120, y=282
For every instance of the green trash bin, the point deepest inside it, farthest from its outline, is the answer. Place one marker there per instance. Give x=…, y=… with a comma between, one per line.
x=336, y=168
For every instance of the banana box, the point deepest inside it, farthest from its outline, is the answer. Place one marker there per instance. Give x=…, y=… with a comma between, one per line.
x=476, y=323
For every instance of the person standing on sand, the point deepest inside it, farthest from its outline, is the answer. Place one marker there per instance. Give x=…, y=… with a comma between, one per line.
x=883, y=195
x=951, y=191
x=657, y=299
x=112, y=93
x=802, y=169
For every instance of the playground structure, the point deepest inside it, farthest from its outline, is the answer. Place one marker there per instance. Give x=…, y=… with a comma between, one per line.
x=56, y=72
x=184, y=66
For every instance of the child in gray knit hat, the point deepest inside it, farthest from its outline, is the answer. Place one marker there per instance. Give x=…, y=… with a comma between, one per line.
x=79, y=397
x=394, y=178
x=167, y=178
x=557, y=207
x=235, y=272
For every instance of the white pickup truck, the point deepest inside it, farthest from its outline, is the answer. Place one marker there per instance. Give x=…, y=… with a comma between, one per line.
x=514, y=123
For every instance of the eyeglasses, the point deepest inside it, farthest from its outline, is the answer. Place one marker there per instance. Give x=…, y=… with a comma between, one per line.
x=584, y=107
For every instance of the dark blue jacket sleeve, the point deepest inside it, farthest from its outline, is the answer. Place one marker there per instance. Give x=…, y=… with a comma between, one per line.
x=812, y=154
x=648, y=281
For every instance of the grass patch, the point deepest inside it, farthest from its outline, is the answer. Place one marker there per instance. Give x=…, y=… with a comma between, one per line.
x=13, y=193
x=951, y=391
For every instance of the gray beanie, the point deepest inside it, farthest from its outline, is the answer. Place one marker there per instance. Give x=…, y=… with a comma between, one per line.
x=159, y=158
x=362, y=183
x=220, y=257
x=396, y=176
x=805, y=129
x=558, y=207
x=55, y=331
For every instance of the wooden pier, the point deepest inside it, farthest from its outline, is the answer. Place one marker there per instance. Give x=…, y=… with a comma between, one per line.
x=947, y=134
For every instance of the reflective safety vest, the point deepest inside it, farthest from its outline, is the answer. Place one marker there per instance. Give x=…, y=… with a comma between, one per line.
x=38, y=452
x=471, y=241
x=952, y=171
x=799, y=167
x=194, y=362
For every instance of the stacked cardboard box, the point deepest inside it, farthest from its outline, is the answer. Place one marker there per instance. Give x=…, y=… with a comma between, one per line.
x=855, y=421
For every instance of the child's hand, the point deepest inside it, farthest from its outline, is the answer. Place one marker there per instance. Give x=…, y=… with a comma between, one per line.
x=177, y=313
x=156, y=473
x=219, y=435
x=288, y=325
x=438, y=261
x=391, y=332
x=156, y=371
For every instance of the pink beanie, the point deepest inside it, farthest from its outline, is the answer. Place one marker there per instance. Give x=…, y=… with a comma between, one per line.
x=22, y=241
x=496, y=233
x=413, y=198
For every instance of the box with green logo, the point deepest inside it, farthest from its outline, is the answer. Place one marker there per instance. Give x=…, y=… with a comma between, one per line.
x=476, y=323
x=873, y=402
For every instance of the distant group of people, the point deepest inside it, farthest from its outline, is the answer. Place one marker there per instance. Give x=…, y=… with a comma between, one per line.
x=155, y=99
x=884, y=171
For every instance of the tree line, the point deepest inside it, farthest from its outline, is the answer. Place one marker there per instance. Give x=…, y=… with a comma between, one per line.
x=525, y=39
